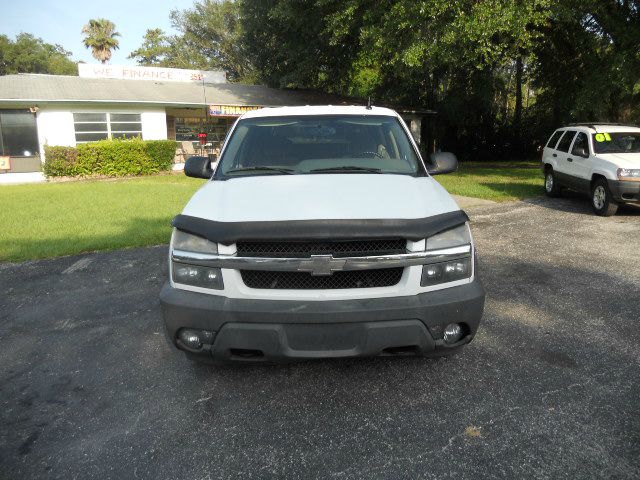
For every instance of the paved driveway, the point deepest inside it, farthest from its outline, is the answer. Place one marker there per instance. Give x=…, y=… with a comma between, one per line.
x=549, y=388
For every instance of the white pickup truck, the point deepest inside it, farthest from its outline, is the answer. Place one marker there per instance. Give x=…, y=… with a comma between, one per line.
x=321, y=233
x=601, y=160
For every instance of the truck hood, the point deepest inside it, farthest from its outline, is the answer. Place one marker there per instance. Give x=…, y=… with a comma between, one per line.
x=322, y=196
x=622, y=160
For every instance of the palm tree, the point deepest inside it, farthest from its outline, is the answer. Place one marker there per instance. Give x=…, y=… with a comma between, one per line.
x=100, y=36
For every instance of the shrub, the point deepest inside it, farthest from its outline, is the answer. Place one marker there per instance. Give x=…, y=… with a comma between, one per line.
x=162, y=152
x=113, y=158
x=61, y=161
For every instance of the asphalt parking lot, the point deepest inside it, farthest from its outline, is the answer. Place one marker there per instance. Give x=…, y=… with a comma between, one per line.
x=548, y=389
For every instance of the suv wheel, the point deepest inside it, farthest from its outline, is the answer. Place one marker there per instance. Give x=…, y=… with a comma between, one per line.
x=551, y=186
x=603, y=203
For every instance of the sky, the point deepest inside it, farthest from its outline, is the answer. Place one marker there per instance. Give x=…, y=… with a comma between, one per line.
x=61, y=21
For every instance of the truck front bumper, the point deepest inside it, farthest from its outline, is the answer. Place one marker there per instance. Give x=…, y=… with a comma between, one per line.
x=279, y=330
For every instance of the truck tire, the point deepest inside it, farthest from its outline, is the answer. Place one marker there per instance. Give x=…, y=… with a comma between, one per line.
x=551, y=186
x=601, y=199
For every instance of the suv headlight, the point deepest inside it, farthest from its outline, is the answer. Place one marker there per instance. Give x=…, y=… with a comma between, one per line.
x=632, y=174
x=195, y=275
x=455, y=269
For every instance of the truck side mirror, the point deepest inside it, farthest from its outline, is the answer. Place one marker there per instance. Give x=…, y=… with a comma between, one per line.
x=443, y=162
x=198, y=167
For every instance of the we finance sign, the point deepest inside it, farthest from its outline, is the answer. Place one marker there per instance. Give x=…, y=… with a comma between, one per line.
x=125, y=72
x=231, y=110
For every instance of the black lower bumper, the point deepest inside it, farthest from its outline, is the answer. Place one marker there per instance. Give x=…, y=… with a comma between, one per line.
x=280, y=330
x=625, y=191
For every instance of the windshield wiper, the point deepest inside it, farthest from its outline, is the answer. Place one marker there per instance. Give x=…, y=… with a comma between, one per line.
x=288, y=171
x=346, y=168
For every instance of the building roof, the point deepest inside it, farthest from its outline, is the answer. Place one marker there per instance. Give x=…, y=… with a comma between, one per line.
x=43, y=89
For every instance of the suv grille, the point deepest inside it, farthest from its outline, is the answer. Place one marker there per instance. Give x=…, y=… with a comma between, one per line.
x=384, y=277
x=348, y=248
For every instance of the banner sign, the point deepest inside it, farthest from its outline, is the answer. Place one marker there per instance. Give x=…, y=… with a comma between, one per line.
x=231, y=110
x=5, y=163
x=134, y=72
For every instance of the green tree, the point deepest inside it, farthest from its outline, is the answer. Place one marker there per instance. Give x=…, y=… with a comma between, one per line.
x=500, y=73
x=154, y=49
x=100, y=36
x=459, y=57
x=209, y=37
x=29, y=54
x=588, y=66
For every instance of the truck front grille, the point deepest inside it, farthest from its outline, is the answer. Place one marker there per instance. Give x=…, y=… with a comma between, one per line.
x=384, y=277
x=341, y=248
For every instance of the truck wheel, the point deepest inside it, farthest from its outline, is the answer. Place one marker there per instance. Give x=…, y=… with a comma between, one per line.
x=551, y=186
x=601, y=199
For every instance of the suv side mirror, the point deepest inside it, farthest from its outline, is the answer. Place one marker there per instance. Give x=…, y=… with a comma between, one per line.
x=581, y=152
x=198, y=167
x=443, y=162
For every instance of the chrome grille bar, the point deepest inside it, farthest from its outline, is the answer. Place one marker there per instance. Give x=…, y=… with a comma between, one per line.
x=325, y=264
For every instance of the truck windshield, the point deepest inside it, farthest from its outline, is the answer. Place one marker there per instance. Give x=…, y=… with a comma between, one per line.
x=296, y=145
x=619, y=142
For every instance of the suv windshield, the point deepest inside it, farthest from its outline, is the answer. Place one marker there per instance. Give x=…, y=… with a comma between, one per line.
x=318, y=144
x=619, y=142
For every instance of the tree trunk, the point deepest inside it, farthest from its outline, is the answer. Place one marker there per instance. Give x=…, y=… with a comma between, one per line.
x=517, y=114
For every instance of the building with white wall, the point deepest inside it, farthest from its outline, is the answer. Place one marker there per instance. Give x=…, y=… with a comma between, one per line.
x=114, y=102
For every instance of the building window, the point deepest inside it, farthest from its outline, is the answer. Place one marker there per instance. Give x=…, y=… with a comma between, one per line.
x=18, y=133
x=90, y=127
x=187, y=129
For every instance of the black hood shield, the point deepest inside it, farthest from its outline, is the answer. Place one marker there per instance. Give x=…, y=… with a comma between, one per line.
x=230, y=232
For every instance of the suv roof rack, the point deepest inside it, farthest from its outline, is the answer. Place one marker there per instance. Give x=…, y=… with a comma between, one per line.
x=594, y=124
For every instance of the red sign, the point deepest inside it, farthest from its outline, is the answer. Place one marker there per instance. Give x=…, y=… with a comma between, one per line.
x=203, y=138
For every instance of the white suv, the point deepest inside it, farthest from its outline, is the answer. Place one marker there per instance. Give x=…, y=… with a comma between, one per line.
x=602, y=160
x=321, y=233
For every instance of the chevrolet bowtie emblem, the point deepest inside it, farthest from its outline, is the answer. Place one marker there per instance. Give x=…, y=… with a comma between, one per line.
x=321, y=265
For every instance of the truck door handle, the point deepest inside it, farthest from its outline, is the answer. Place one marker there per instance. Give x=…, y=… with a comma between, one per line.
x=569, y=159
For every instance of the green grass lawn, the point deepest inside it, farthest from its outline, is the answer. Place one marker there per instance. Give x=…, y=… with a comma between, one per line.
x=48, y=220
x=498, y=184
x=54, y=219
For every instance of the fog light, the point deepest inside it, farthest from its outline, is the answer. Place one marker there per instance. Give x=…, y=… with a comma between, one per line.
x=190, y=338
x=452, y=333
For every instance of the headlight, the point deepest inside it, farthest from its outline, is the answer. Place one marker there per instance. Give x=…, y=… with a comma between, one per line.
x=452, y=270
x=444, y=272
x=195, y=275
x=632, y=174
x=451, y=238
x=192, y=243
